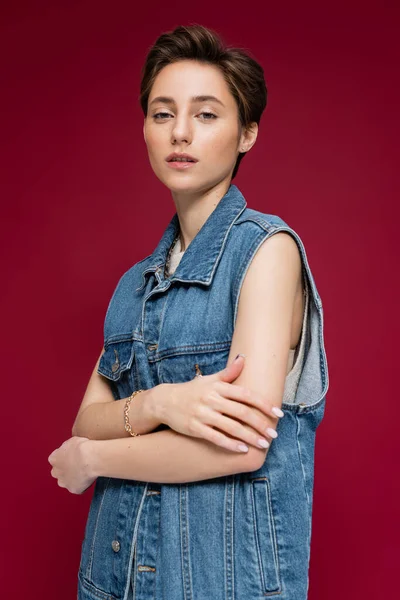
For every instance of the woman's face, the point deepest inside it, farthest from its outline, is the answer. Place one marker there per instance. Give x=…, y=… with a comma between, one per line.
x=206, y=129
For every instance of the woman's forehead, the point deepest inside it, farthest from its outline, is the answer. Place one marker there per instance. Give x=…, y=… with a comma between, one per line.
x=185, y=80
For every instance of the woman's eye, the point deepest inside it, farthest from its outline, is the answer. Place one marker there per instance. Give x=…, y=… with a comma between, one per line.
x=209, y=114
x=159, y=114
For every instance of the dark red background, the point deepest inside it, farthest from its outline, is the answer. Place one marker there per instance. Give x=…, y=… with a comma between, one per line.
x=80, y=204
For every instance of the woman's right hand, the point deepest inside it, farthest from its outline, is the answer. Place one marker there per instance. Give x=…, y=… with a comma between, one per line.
x=197, y=406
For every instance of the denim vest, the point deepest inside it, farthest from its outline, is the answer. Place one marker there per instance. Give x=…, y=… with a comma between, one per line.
x=238, y=537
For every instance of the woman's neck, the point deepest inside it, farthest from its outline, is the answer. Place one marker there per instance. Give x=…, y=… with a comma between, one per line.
x=193, y=211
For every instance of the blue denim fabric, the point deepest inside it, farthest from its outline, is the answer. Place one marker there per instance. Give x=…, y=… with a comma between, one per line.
x=239, y=537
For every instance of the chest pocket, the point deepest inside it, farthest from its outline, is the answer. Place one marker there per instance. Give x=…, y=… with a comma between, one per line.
x=183, y=363
x=117, y=364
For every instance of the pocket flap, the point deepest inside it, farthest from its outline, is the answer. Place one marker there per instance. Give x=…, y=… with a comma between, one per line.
x=116, y=359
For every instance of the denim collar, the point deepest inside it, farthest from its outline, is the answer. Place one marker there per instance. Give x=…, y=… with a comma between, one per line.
x=201, y=258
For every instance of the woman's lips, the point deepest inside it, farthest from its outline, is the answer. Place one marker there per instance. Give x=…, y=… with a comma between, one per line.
x=179, y=164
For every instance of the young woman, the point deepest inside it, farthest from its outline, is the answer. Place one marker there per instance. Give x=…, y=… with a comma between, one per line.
x=203, y=491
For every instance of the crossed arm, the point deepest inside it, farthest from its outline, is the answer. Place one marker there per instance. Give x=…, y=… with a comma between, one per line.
x=269, y=318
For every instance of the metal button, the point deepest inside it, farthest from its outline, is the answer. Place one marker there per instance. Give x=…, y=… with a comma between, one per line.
x=146, y=568
x=115, y=366
x=116, y=545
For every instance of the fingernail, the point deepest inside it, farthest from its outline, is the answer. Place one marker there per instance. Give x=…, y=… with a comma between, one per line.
x=244, y=356
x=271, y=432
x=242, y=448
x=277, y=411
x=263, y=443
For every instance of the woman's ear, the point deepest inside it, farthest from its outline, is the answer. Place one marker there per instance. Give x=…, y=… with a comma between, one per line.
x=248, y=137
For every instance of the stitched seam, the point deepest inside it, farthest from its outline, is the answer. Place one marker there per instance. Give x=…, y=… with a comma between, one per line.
x=94, y=590
x=192, y=349
x=159, y=334
x=90, y=564
x=133, y=543
x=273, y=535
x=116, y=536
x=300, y=458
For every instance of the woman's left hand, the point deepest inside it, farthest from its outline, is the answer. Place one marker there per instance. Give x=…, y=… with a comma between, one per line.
x=71, y=466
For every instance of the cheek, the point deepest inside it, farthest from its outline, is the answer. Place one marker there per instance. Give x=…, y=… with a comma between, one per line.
x=223, y=145
x=152, y=141
x=151, y=144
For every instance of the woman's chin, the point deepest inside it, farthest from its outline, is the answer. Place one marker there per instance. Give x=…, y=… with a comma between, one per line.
x=181, y=183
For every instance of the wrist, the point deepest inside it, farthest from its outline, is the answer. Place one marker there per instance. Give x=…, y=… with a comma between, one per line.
x=90, y=451
x=156, y=402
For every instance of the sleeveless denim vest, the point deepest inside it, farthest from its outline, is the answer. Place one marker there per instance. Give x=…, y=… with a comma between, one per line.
x=238, y=537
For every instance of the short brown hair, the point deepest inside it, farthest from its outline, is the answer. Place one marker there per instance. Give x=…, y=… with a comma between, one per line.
x=243, y=74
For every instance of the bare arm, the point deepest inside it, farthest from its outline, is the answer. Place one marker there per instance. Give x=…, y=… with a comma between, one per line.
x=101, y=417
x=165, y=457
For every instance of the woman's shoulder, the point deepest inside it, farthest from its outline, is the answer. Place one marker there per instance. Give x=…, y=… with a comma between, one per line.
x=254, y=226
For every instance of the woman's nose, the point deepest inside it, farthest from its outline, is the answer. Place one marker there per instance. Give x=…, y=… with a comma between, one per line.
x=181, y=131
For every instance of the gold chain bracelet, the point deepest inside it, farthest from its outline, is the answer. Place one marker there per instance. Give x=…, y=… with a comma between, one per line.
x=126, y=410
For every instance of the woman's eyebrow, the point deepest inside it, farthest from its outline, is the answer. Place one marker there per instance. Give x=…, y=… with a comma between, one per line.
x=202, y=98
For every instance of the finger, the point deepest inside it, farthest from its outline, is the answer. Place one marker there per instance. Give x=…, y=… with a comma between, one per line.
x=242, y=412
x=239, y=431
x=232, y=370
x=247, y=396
x=218, y=438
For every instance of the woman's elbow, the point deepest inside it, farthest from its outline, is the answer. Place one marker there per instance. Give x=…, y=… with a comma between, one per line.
x=76, y=429
x=255, y=458
x=250, y=461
